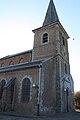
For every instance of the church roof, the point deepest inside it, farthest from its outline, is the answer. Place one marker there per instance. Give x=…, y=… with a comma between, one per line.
x=17, y=54
x=51, y=15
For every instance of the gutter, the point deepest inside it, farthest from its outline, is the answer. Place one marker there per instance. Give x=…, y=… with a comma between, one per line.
x=20, y=66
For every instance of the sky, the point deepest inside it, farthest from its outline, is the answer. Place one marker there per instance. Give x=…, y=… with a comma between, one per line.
x=19, y=17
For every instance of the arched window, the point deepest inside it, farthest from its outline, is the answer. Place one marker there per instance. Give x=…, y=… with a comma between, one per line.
x=45, y=38
x=25, y=95
x=2, y=84
x=2, y=64
x=11, y=62
x=21, y=60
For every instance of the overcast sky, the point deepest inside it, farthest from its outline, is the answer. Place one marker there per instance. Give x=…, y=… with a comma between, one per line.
x=19, y=17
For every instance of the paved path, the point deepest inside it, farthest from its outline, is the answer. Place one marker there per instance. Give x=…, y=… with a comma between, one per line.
x=65, y=116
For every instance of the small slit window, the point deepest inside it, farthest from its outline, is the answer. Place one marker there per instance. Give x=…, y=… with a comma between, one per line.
x=65, y=68
x=45, y=38
x=63, y=41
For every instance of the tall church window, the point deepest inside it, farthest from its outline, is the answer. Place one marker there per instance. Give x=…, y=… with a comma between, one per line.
x=45, y=38
x=25, y=96
x=2, y=84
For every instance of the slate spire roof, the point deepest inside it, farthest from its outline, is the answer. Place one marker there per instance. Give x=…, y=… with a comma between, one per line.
x=51, y=15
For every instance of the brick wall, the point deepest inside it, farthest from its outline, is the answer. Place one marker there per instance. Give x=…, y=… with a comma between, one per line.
x=19, y=106
x=49, y=96
x=41, y=50
x=16, y=59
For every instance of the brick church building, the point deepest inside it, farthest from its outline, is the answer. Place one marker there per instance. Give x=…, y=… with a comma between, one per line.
x=39, y=80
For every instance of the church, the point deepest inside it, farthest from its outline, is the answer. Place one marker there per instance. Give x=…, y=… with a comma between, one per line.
x=39, y=81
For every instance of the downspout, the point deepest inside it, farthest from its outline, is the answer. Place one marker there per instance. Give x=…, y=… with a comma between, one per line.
x=39, y=90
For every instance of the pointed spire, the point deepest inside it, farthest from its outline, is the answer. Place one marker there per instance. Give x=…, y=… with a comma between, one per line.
x=51, y=15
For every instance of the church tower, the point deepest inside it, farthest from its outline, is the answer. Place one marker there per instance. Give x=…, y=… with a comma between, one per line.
x=47, y=37
x=51, y=41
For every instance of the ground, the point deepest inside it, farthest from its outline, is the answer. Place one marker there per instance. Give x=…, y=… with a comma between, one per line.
x=65, y=116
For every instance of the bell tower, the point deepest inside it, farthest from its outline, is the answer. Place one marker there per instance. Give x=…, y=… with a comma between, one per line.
x=46, y=37
x=51, y=41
